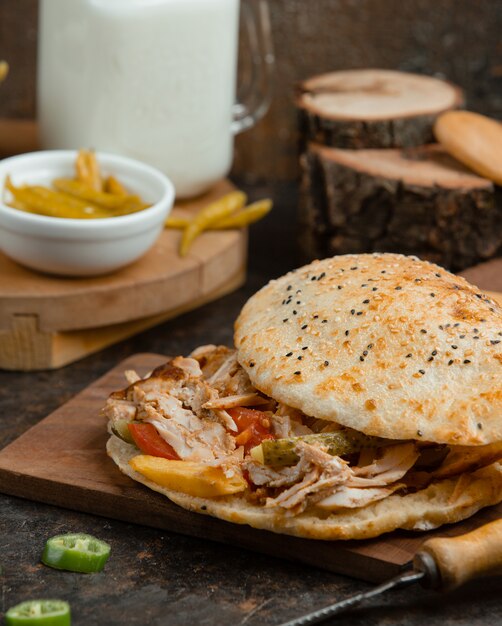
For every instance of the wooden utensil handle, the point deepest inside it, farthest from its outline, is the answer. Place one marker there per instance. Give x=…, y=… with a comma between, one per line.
x=460, y=559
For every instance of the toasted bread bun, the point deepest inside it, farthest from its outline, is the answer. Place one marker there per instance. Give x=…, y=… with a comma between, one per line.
x=386, y=344
x=443, y=502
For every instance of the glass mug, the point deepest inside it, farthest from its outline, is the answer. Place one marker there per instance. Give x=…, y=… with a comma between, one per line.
x=154, y=80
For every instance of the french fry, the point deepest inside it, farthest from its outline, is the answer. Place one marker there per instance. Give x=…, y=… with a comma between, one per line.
x=87, y=170
x=214, y=212
x=80, y=190
x=250, y=214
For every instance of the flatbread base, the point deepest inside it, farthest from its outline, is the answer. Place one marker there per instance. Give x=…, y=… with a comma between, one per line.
x=443, y=502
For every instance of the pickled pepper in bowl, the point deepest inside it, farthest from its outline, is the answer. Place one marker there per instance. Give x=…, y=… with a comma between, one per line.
x=86, y=196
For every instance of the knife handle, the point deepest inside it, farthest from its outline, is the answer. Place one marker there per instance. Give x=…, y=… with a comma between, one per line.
x=451, y=562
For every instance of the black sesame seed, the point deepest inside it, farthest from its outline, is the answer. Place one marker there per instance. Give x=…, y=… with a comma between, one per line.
x=364, y=285
x=339, y=287
x=352, y=311
x=299, y=357
x=454, y=347
x=383, y=272
x=289, y=288
x=398, y=288
x=326, y=363
x=450, y=362
x=283, y=302
x=494, y=342
x=297, y=373
x=298, y=302
x=438, y=275
x=431, y=358
x=361, y=358
x=304, y=347
x=420, y=433
x=475, y=330
x=466, y=361
x=313, y=278
x=408, y=356
x=366, y=301
x=203, y=507
x=298, y=291
x=418, y=280
x=251, y=364
x=374, y=288
x=423, y=331
x=421, y=372
x=462, y=336
x=365, y=353
x=346, y=333
x=289, y=354
x=304, y=326
x=324, y=321
x=370, y=345
x=285, y=319
x=456, y=325
x=322, y=276
x=433, y=295
x=476, y=337
x=316, y=316
x=359, y=313
x=434, y=352
x=441, y=327
x=480, y=426
x=354, y=268
x=295, y=312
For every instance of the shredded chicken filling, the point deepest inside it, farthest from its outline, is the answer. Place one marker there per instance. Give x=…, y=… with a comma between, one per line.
x=187, y=401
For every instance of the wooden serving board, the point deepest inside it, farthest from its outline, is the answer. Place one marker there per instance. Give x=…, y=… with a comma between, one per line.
x=48, y=321
x=62, y=461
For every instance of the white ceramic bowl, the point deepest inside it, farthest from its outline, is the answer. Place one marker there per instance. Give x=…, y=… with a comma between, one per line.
x=76, y=247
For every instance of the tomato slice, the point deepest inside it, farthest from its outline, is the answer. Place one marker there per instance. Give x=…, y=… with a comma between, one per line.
x=150, y=442
x=253, y=427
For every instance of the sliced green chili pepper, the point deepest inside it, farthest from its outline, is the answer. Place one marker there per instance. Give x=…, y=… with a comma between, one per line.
x=39, y=613
x=76, y=552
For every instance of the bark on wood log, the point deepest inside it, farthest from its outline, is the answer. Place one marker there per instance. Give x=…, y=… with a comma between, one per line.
x=419, y=201
x=358, y=109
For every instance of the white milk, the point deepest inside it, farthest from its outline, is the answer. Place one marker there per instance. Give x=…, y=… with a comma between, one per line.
x=150, y=79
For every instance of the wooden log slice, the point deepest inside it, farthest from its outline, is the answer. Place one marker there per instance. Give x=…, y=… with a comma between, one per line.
x=359, y=109
x=419, y=201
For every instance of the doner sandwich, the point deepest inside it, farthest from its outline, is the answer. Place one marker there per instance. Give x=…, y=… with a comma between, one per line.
x=364, y=394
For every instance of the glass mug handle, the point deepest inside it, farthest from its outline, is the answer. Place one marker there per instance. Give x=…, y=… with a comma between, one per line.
x=258, y=87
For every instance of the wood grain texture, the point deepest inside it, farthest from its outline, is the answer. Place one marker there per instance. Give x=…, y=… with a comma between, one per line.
x=47, y=321
x=62, y=461
x=359, y=109
x=455, y=39
x=418, y=201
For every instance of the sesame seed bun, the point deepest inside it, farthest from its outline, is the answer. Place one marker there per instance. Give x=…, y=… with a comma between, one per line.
x=387, y=344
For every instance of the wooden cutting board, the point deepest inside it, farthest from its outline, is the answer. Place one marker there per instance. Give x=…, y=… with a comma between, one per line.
x=62, y=461
x=48, y=321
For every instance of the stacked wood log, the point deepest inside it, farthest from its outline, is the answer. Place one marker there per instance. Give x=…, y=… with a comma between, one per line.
x=372, y=179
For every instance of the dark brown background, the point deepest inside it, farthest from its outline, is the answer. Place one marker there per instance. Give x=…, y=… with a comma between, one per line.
x=458, y=39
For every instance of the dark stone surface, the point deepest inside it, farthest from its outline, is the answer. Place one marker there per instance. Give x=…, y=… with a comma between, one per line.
x=160, y=578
